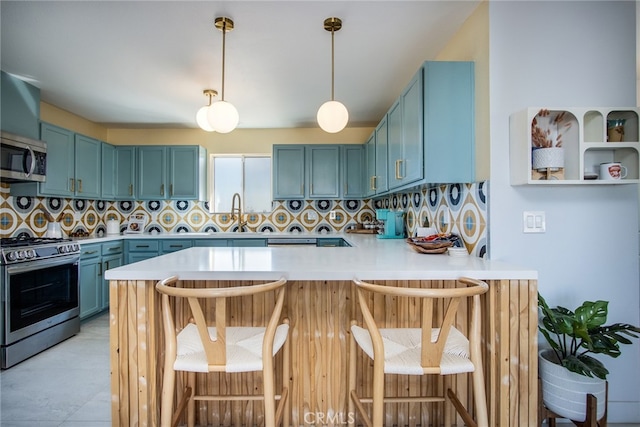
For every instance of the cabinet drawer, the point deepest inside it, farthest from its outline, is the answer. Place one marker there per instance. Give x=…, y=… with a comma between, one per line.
x=239, y=243
x=172, y=245
x=112, y=248
x=143, y=246
x=210, y=243
x=89, y=251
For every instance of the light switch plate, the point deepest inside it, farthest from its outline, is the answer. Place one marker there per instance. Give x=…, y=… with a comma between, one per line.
x=534, y=222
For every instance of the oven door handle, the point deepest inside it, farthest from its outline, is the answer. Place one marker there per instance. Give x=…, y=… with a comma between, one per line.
x=40, y=264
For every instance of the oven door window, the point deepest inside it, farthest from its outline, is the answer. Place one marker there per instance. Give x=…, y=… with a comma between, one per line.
x=40, y=294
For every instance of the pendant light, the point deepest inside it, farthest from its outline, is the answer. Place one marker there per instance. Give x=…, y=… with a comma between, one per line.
x=332, y=115
x=201, y=116
x=222, y=116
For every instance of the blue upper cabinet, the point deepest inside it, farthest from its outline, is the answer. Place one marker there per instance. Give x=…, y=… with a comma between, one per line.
x=20, y=107
x=323, y=168
x=370, y=166
x=108, y=172
x=125, y=174
x=317, y=171
x=353, y=166
x=88, y=162
x=428, y=133
x=152, y=173
x=449, y=122
x=74, y=164
x=382, y=156
x=171, y=172
x=288, y=172
x=60, y=162
x=405, y=136
x=411, y=168
x=394, y=147
x=187, y=172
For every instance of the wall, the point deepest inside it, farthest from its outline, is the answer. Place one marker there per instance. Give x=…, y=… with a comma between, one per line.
x=564, y=54
x=471, y=43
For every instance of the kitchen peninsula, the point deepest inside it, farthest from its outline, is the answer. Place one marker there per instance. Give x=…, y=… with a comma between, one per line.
x=320, y=305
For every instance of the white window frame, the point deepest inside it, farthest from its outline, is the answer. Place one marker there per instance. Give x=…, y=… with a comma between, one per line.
x=211, y=174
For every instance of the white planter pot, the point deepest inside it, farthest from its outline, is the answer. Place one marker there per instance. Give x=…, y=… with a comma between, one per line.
x=544, y=158
x=565, y=392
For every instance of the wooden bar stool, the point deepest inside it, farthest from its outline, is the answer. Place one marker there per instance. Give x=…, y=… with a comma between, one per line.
x=204, y=346
x=435, y=348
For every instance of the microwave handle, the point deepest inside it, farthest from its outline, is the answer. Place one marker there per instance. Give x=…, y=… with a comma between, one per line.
x=33, y=162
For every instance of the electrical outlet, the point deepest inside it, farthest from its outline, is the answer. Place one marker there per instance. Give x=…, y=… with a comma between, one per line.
x=332, y=215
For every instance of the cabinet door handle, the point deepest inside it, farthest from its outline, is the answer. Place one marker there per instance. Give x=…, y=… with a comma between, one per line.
x=311, y=189
x=90, y=252
x=99, y=269
x=171, y=190
x=372, y=182
x=72, y=184
x=398, y=163
x=79, y=186
x=131, y=189
x=162, y=190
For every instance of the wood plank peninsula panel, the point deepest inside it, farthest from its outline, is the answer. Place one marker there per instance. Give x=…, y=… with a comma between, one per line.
x=320, y=313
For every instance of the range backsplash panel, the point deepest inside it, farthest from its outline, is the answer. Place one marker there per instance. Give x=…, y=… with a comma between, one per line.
x=454, y=208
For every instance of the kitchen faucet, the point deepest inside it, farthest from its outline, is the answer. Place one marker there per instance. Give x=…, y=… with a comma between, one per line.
x=241, y=223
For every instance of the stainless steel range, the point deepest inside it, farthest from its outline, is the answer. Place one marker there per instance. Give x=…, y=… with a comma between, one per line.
x=40, y=289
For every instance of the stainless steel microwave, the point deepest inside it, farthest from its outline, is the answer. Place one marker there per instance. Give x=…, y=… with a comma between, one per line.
x=22, y=159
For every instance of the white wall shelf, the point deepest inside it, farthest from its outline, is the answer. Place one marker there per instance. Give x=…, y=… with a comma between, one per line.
x=584, y=139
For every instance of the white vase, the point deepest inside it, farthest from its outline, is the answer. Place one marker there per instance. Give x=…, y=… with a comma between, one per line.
x=565, y=392
x=545, y=158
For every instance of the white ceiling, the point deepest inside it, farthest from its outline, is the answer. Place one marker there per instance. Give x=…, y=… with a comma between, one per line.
x=146, y=63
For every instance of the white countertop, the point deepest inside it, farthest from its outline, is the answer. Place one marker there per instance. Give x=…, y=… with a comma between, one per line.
x=369, y=258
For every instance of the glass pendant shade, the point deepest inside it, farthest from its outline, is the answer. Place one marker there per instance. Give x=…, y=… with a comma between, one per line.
x=332, y=116
x=203, y=120
x=222, y=116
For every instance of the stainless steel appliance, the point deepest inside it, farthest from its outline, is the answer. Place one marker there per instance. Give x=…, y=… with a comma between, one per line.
x=297, y=241
x=22, y=159
x=40, y=290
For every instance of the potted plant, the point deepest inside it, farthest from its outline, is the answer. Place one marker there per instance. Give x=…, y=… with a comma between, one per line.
x=568, y=371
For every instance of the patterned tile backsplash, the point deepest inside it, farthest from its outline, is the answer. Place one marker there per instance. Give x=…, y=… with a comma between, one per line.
x=455, y=208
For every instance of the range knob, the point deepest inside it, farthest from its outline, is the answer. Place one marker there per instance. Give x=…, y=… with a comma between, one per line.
x=11, y=256
x=63, y=249
x=75, y=247
x=30, y=253
x=20, y=255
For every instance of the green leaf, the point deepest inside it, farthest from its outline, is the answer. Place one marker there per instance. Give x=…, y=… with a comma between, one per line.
x=585, y=365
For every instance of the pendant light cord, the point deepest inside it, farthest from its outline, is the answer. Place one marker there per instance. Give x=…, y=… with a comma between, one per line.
x=332, y=67
x=224, y=32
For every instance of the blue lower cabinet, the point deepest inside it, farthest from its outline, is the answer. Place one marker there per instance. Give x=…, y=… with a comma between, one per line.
x=90, y=279
x=139, y=250
x=173, y=245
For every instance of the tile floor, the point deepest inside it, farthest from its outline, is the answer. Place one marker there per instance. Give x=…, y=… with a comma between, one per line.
x=67, y=385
